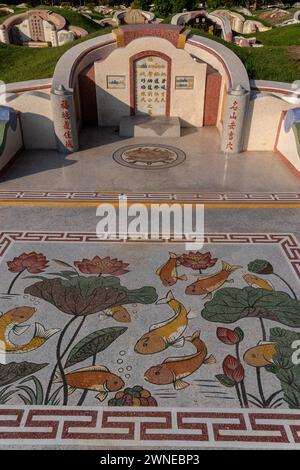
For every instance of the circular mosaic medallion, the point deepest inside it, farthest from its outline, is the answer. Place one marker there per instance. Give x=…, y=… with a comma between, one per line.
x=149, y=156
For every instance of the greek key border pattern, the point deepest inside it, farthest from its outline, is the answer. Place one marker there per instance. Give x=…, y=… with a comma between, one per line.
x=193, y=197
x=287, y=242
x=144, y=427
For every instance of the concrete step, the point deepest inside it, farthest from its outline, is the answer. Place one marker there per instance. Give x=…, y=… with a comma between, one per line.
x=149, y=126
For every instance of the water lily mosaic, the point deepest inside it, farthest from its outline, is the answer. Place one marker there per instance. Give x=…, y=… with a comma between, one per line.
x=109, y=324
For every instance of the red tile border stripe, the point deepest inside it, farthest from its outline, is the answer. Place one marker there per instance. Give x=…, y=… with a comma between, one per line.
x=144, y=427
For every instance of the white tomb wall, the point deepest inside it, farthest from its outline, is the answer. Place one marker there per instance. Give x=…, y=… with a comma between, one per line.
x=47, y=31
x=114, y=103
x=36, y=119
x=264, y=114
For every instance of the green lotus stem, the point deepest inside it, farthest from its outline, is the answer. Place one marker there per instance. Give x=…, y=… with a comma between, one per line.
x=243, y=388
x=263, y=329
x=239, y=395
x=260, y=387
x=62, y=356
x=287, y=284
x=14, y=280
x=59, y=361
x=84, y=394
x=237, y=350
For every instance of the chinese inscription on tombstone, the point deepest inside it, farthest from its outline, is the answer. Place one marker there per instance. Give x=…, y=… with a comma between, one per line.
x=231, y=125
x=65, y=114
x=151, y=75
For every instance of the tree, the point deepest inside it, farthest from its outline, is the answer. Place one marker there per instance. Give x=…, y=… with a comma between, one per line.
x=145, y=4
x=163, y=7
x=136, y=4
x=179, y=5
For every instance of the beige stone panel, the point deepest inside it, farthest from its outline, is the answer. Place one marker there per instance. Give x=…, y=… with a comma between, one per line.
x=113, y=104
x=188, y=104
x=288, y=148
x=36, y=119
x=262, y=122
x=47, y=31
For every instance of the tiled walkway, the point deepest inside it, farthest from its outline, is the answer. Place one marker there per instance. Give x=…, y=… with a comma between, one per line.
x=205, y=168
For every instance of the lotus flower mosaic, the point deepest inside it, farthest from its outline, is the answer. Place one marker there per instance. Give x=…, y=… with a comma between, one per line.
x=197, y=261
x=32, y=262
x=102, y=266
x=230, y=337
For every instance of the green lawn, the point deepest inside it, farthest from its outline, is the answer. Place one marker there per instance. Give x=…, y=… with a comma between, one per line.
x=75, y=19
x=253, y=18
x=268, y=62
x=22, y=63
x=281, y=36
x=273, y=61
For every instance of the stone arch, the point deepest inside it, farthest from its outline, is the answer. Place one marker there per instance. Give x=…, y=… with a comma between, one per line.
x=223, y=22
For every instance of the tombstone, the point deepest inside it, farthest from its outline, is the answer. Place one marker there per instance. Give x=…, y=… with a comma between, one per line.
x=134, y=17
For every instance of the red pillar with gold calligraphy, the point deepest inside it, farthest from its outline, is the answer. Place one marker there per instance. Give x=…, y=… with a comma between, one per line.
x=234, y=120
x=64, y=119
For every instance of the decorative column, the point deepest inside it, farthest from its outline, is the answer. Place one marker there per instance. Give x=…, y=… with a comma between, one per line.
x=234, y=120
x=64, y=119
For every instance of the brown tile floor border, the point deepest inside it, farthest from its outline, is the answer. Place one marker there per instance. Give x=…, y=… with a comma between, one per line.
x=217, y=199
x=97, y=426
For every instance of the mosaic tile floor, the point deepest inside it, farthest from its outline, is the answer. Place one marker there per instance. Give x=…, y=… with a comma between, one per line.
x=107, y=344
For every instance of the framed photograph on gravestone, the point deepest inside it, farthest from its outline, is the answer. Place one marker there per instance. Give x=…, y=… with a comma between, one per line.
x=184, y=83
x=116, y=81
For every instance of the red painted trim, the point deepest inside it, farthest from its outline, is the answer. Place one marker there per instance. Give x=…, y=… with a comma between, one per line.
x=140, y=55
x=289, y=164
x=212, y=98
x=215, y=54
x=23, y=90
x=272, y=90
x=87, y=96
